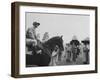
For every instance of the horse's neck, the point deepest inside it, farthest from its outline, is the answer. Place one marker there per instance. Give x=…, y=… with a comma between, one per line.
x=51, y=43
x=50, y=47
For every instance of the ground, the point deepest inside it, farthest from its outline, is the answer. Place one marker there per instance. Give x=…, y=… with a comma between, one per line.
x=79, y=60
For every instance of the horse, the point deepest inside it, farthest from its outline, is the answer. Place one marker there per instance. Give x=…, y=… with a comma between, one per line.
x=44, y=58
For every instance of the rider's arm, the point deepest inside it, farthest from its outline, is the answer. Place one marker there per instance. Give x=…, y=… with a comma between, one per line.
x=31, y=41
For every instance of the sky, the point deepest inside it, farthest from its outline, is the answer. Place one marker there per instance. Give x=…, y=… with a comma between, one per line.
x=68, y=25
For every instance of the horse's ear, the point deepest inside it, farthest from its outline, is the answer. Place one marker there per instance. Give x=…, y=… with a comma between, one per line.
x=61, y=36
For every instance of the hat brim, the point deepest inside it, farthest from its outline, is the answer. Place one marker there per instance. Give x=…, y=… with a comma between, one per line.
x=86, y=42
x=76, y=42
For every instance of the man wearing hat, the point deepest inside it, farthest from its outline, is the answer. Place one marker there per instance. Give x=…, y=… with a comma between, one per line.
x=31, y=38
x=86, y=50
x=74, y=48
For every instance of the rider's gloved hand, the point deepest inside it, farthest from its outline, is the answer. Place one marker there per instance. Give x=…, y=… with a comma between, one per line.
x=39, y=51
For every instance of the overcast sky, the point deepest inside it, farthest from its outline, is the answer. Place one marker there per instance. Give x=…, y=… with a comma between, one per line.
x=60, y=24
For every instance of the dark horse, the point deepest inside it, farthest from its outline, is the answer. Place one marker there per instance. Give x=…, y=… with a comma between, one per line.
x=44, y=58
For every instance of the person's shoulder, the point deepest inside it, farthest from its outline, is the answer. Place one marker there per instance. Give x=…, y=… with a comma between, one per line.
x=30, y=28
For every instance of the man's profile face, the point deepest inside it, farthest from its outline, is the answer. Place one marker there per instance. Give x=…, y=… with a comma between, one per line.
x=35, y=26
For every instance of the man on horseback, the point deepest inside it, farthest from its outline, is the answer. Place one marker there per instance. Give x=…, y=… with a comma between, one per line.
x=31, y=38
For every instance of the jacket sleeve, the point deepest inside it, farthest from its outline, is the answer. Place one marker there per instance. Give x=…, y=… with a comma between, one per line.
x=31, y=42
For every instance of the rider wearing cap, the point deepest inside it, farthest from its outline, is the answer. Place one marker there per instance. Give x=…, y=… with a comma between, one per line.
x=31, y=38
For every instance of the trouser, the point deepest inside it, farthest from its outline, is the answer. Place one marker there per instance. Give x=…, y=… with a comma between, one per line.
x=74, y=56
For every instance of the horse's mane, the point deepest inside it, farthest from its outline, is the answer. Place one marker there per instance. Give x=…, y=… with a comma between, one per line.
x=51, y=42
x=52, y=39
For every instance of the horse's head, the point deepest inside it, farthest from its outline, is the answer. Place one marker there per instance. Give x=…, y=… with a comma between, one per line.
x=60, y=43
x=55, y=41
